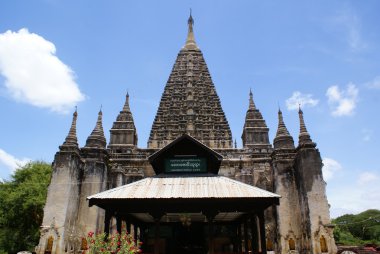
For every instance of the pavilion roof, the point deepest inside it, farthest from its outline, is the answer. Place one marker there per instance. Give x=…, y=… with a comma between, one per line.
x=184, y=187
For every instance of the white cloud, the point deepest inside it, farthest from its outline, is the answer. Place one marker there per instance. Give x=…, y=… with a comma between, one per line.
x=367, y=135
x=350, y=25
x=34, y=74
x=342, y=102
x=330, y=166
x=354, y=194
x=305, y=100
x=367, y=177
x=11, y=162
x=374, y=84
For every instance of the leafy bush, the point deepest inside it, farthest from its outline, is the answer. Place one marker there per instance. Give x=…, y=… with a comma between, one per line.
x=123, y=243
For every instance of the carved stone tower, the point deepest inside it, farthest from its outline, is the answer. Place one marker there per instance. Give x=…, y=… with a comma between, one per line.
x=190, y=103
x=289, y=217
x=94, y=179
x=317, y=232
x=61, y=206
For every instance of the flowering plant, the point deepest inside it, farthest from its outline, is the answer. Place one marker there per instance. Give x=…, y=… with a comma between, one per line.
x=123, y=243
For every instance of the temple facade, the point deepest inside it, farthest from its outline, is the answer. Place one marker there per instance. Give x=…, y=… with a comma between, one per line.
x=190, y=105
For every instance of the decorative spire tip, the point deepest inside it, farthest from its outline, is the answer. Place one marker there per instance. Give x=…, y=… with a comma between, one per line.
x=190, y=41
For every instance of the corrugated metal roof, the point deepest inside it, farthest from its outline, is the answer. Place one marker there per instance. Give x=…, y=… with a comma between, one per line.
x=185, y=187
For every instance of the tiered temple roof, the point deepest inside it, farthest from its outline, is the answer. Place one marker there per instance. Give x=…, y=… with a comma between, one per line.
x=97, y=138
x=189, y=103
x=123, y=131
x=71, y=141
x=304, y=136
x=255, y=130
x=283, y=139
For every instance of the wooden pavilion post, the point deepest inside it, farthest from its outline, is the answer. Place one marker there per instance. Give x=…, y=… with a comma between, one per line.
x=239, y=248
x=157, y=218
x=118, y=223
x=255, y=237
x=156, y=236
x=107, y=219
x=135, y=232
x=262, y=232
x=245, y=235
x=210, y=219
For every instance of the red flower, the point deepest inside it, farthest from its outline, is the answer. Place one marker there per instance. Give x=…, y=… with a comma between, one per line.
x=90, y=234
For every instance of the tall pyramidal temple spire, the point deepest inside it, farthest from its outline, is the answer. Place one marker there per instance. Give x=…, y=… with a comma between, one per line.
x=189, y=103
x=255, y=130
x=71, y=139
x=123, y=131
x=304, y=136
x=190, y=41
x=97, y=138
x=283, y=139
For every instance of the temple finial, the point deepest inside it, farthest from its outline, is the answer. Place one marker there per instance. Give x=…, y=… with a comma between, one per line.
x=97, y=138
x=304, y=136
x=281, y=130
x=251, y=102
x=126, y=107
x=283, y=139
x=302, y=121
x=71, y=139
x=190, y=41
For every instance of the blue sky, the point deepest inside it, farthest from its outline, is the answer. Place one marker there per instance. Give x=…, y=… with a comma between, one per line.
x=323, y=54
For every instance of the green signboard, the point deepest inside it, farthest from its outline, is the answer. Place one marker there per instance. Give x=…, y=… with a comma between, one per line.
x=185, y=165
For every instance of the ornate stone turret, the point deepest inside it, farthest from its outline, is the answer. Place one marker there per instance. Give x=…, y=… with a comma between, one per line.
x=304, y=136
x=255, y=130
x=71, y=141
x=283, y=139
x=123, y=131
x=61, y=206
x=315, y=217
x=97, y=138
x=94, y=179
x=289, y=223
x=190, y=103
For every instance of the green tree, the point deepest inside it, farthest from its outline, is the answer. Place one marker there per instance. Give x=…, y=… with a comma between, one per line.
x=358, y=229
x=22, y=200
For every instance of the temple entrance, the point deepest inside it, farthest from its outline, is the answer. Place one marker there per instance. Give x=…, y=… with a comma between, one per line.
x=194, y=238
x=188, y=239
x=187, y=207
x=176, y=238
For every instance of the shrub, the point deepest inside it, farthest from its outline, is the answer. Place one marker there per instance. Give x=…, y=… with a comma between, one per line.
x=123, y=243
